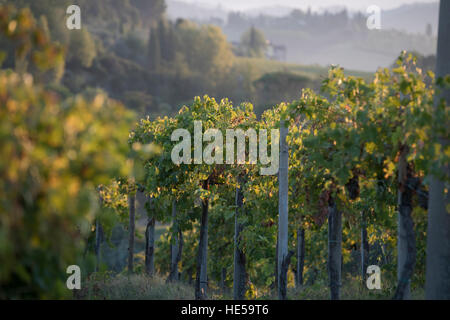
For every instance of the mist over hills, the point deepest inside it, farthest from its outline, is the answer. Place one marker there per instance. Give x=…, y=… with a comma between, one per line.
x=403, y=28
x=411, y=18
x=180, y=9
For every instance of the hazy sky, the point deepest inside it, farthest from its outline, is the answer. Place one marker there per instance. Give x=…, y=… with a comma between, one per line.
x=314, y=4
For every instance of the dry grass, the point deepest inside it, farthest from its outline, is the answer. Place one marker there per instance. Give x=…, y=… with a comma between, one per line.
x=141, y=287
x=351, y=289
x=135, y=287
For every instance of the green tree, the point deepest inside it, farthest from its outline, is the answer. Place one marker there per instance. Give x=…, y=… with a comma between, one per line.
x=82, y=50
x=254, y=43
x=50, y=168
x=150, y=10
x=54, y=153
x=205, y=49
x=154, y=50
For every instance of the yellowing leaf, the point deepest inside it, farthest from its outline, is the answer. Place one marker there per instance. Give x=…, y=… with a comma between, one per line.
x=370, y=147
x=389, y=168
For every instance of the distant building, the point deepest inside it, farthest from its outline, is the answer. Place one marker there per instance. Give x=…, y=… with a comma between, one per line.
x=276, y=52
x=273, y=51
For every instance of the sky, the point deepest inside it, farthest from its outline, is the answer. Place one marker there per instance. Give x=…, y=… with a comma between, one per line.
x=360, y=5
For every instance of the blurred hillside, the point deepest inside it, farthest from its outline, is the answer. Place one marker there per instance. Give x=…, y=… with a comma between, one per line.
x=138, y=53
x=154, y=65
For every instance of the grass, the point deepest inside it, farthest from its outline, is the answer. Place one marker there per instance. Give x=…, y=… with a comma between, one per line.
x=315, y=72
x=134, y=287
x=350, y=290
x=105, y=286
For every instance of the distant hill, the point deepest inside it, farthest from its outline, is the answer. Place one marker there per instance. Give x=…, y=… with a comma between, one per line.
x=412, y=18
x=357, y=48
x=274, y=11
x=193, y=11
